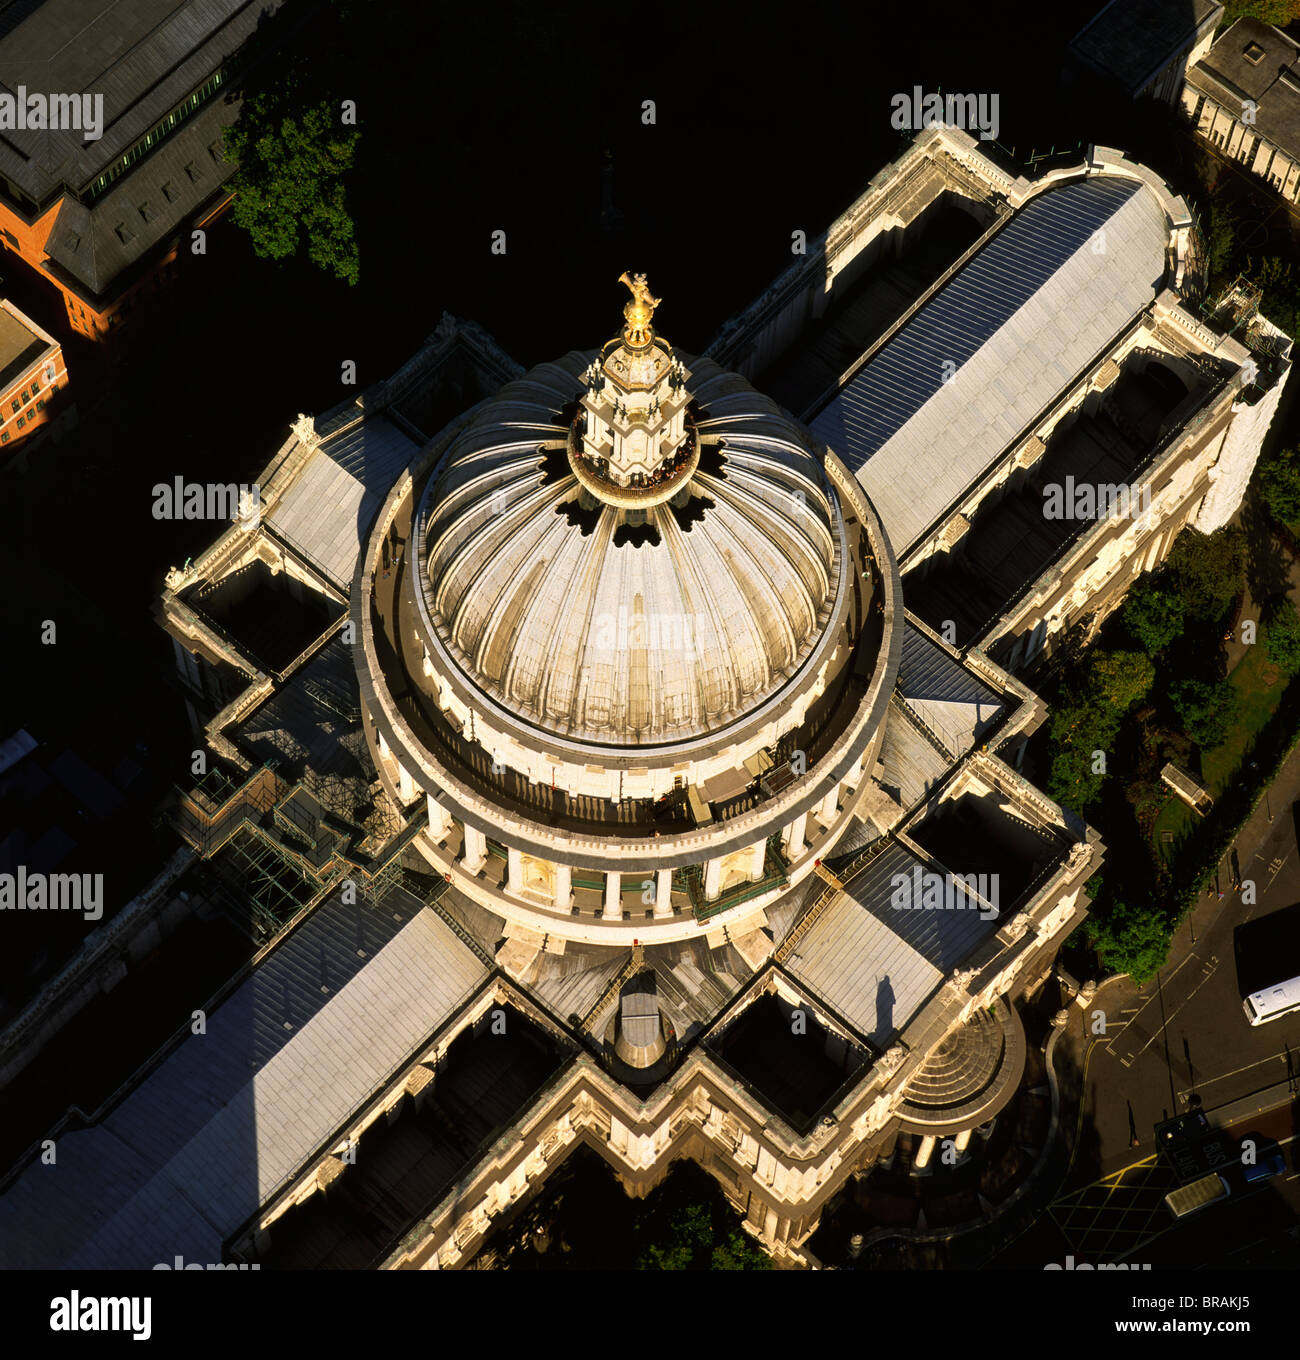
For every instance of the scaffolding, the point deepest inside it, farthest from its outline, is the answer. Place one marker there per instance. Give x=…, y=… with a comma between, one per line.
x=1236, y=307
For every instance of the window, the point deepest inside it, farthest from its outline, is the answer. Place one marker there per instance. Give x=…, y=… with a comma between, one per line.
x=40, y=405
x=150, y=141
x=36, y=387
x=27, y=396
x=4, y=438
x=1253, y=52
x=18, y=406
x=22, y=420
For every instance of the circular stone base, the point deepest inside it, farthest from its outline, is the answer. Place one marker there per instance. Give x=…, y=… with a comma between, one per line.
x=971, y=1075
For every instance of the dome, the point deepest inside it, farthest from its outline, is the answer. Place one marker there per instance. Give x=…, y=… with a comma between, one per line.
x=639, y=590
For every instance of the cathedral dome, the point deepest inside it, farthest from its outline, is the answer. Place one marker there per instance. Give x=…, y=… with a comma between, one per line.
x=626, y=549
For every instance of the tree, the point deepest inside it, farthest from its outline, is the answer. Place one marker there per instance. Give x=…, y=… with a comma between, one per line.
x=1278, y=483
x=1281, y=292
x=687, y=1226
x=1115, y=681
x=1208, y=571
x=1131, y=940
x=1276, y=12
x=290, y=184
x=1206, y=709
x=1088, y=718
x=1282, y=637
x=1220, y=238
x=1152, y=614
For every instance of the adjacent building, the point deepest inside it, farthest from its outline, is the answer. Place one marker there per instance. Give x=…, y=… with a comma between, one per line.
x=97, y=205
x=1243, y=96
x=32, y=376
x=1141, y=49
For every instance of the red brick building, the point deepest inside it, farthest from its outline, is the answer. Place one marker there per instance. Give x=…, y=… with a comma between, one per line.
x=104, y=217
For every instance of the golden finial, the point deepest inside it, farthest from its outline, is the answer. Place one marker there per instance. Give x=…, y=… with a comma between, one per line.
x=639, y=312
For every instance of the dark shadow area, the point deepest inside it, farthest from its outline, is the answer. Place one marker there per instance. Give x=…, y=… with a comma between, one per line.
x=793, y=1061
x=270, y=615
x=583, y=1220
x=973, y=836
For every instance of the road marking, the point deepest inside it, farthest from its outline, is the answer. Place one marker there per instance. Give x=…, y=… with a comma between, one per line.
x=1208, y=968
x=1155, y=995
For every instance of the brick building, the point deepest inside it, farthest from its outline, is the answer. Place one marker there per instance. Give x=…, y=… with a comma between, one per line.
x=32, y=373
x=103, y=217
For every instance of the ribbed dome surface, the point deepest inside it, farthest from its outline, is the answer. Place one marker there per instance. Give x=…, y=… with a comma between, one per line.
x=595, y=627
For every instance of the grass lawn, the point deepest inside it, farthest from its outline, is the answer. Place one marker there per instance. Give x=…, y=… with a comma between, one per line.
x=1259, y=687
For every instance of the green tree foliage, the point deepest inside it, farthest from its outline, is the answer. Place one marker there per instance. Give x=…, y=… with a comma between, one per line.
x=1282, y=637
x=290, y=186
x=684, y=1230
x=1277, y=480
x=1115, y=681
x=1276, y=12
x=1220, y=240
x=1152, y=614
x=1131, y=940
x=1206, y=709
x=1088, y=717
x=1208, y=571
x=1281, y=300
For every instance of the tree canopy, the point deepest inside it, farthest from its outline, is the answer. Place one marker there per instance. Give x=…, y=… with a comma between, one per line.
x=1276, y=12
x=1088, y=718
x=1207, y=570
x=1206, y=708
x=1131, y=940
x=1278, y=482
x=1152, y=614
x=1282, y=637
x=291, y=182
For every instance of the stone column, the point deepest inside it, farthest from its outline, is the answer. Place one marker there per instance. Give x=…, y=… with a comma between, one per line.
x=962, y=1140
x=440, y=820
x=757, y=854
x=383, y=744
x=663, y=894
x=854, y=776
x=514, y=870
x=924, y=1153
x=406, y=789
x=792, y=837
x=829, y=806
x=563, y=887
x=474, y=856
x=712, y=877
x=613, y=897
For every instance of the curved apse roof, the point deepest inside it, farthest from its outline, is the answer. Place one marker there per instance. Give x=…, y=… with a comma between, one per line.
x=1019, y=322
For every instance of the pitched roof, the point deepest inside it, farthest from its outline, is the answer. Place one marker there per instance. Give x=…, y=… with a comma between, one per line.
x=230, y=1116
x=943, y=398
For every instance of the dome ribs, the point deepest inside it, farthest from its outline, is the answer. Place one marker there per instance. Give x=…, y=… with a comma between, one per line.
x=599, y=629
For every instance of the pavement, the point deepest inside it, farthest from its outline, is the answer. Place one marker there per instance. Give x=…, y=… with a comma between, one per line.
x=1184, y=1033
